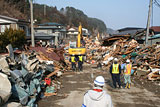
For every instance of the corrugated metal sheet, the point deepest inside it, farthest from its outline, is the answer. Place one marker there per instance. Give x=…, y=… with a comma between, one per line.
x=52, y=56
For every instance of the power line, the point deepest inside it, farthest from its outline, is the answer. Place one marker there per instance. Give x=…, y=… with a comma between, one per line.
x=157, y=3
x=152, y=15
x=158, y=0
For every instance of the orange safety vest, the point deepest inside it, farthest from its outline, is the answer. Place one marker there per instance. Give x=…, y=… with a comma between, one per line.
x=115, y=69
x=128, y=69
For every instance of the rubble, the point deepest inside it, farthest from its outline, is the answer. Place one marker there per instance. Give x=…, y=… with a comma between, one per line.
x=31, y=77
x=144, y=59
x=33, y=73
x=154, y=75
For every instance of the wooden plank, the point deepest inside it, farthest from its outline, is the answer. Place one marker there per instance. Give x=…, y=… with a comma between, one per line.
x=53, y=73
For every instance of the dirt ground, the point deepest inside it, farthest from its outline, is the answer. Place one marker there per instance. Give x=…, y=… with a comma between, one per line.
x=74, y=86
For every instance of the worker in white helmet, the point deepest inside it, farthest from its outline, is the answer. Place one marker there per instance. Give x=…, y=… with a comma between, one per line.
x=127, y=74
x=115, y=71
x=97, y=97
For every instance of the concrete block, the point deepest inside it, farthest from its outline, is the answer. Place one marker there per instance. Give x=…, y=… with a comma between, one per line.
x=5, y=88
x=12, y=104
x=4, y=65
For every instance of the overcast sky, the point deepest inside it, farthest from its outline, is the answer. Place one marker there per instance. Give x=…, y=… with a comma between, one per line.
x=115, y=13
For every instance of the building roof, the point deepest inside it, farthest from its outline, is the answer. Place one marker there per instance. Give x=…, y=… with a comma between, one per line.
x=50, y=24
x=155, y=28
x=62, y=30
x=13, y=19
x=129, y=28
x=43, y=34
x=129, y=32
x=47, y=27
x=73, y=29
x=8, y=18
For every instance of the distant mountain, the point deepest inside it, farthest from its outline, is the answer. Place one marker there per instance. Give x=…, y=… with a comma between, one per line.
x=111, y=31
x=68, y=16
x=75, y=16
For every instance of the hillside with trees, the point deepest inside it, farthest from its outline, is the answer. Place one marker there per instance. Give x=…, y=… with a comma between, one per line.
x=68, y=16
x=15, y=8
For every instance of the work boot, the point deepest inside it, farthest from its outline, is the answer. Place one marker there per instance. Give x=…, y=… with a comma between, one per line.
x=126, y=85
x=114, y=87
x=74, y=70
x=81, y=70
x=129, y=86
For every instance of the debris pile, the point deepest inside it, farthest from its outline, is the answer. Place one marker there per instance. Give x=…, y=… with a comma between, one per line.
x=30, y=75
x=145, y=60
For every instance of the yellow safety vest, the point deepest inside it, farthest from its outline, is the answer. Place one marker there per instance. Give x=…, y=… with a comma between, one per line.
x=73, y=59
x=115, y=69
x=128, y=69
x=80, y=58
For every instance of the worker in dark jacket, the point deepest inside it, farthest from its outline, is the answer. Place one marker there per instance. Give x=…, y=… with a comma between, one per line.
x=80, y=62
x=115, y=71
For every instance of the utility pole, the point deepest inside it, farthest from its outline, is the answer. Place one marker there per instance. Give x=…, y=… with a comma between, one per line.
x=44, y=10
x=148, y=22
x=32, y=29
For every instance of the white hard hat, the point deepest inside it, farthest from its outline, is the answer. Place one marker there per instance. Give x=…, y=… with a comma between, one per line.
x=128, y=60
x=115, y=59
x=99, y=81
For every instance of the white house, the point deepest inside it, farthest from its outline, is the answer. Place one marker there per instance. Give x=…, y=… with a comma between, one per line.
x=8, y=22
x=73, y=32
x=85, y=32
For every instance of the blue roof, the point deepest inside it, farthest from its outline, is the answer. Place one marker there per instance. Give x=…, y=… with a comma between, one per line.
x=50, y=24
x=153, y=37
x=156, y=36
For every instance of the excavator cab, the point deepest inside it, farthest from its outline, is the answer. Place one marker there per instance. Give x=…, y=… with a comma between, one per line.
x=78, y=50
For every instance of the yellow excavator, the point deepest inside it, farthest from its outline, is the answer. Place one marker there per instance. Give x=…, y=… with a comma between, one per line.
x=78, y=50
